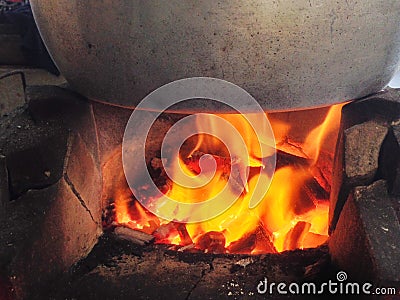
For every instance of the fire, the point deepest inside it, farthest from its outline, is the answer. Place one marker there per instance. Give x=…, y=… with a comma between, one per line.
x=292, y=214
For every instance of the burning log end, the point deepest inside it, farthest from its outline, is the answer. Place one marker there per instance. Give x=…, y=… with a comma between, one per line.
x=289, y=159
x=134, y=236
x=258, y=241
x=212, y=242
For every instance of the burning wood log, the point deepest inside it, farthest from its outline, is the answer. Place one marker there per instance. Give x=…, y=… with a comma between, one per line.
x=135, y=236
x=296, y=235
x=229, y=167
x=264, y=241
x=246, y=244
x=165, y=232
x=193, y=162
x=291, y=148
x=309, y=195
x=258, y=240
x=288, y=159
x=184, y=234
x=322, y=169
x=212, y=242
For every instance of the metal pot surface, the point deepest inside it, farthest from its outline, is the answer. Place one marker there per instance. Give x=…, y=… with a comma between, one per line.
x=287, y=54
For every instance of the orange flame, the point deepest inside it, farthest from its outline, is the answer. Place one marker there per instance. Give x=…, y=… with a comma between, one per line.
x=289, y=215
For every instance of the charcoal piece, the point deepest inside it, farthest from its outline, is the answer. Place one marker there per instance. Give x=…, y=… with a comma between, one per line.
x=314, y=190
x=366, y=241
x=134, y=236
x=258, y=240
x=245, y=244
x=212, y=242
x=294, y=238
x=284, y=159
x=264, y=241
x=322, y=170
x=108, y=216
x=164, y=232
x=184, y=234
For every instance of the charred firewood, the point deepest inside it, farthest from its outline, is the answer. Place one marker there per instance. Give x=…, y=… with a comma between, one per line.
x=264, y=241
x=258, y=240
x=165, y=232
x=291, y=148
x=229, y=167
x=135, y=236
x=246, y=244
x=309, y=195
x=294, y=237
x=193, y=162
x=322, y=170
x=212, y=242
x=184, y=234
x=314, y=190
x=284, y=159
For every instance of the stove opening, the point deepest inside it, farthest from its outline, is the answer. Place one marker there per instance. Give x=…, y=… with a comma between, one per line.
x=292, y=212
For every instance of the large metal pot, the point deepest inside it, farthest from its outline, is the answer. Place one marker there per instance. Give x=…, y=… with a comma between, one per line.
x=287, y=54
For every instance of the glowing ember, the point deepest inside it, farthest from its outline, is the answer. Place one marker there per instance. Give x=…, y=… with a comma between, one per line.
x=293, y=214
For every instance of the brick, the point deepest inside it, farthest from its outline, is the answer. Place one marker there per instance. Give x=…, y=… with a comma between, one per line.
x=382, y=109
x=60, y=232
x=362, y=146
x=366, y=241
x=12, y=94
x=356, y=162
x=82, y=172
